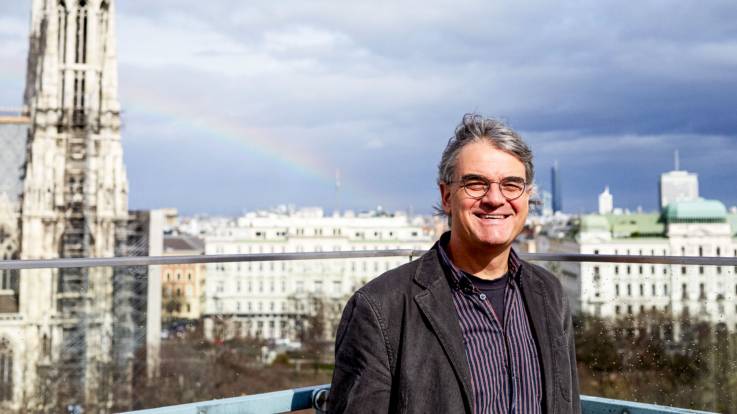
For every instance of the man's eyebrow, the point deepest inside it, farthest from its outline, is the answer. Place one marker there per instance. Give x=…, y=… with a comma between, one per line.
x=481, y=177
x=514, y=178
x=474, y=177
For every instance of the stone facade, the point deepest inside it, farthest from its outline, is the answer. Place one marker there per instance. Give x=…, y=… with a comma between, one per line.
x=276, y=299
x=73, y=204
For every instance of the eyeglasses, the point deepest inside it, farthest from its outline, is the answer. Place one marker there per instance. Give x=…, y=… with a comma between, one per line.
x=477, y=186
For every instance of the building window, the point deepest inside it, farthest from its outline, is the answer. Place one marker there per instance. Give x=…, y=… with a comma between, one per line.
x=684, y=290
x=6, y=371
x=642, y=289
x=654, y=292
x=629, y=289
x=616, y=269
x=629, y=269
x=701, y=270
x=617, y=309
x=683, y=270
x=640, y=269
x=665, y=290
x=616, y=290
x=701, y=251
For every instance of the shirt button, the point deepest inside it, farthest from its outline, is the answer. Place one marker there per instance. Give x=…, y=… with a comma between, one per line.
x=482, y=296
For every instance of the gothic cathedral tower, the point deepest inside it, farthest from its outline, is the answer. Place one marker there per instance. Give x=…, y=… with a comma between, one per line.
x=74, y=204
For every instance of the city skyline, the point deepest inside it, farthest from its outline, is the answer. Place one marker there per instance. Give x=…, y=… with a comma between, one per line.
x=263, y=103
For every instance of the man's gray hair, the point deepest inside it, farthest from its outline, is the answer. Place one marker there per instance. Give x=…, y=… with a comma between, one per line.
x=476, y=128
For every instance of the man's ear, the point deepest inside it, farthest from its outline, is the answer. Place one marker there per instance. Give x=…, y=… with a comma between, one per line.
x=445, y=197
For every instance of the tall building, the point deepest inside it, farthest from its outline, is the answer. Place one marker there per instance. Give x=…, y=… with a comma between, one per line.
x=678, y=186
x=272, y=299
x=606, y=202
x=555, y=185
x=72, y=327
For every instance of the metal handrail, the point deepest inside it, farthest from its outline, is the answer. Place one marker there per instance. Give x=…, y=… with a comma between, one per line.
x=267, y=257
x=314, y=398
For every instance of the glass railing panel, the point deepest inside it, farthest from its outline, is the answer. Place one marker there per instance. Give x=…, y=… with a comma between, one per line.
x=655, y=333
x=109, y=339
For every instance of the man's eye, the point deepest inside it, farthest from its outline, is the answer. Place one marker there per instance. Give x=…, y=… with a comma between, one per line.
x=475, y=185
x=513, y=186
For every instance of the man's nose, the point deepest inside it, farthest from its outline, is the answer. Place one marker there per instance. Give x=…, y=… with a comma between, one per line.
x=494, y=196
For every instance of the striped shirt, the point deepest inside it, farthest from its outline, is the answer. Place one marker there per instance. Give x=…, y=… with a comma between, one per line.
x=502, y=355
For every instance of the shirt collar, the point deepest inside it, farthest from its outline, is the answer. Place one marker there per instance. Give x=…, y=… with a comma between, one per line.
x=456, y=276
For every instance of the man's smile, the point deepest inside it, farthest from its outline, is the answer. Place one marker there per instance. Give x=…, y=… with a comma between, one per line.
x=492, y=217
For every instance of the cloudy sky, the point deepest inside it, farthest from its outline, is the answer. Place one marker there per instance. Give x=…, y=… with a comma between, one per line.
x=232, y=105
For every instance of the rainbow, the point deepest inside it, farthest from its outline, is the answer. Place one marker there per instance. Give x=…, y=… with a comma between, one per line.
x=257, y=141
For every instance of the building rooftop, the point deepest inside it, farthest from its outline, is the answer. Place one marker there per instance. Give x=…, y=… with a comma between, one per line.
x=183, y=242
x=695, y=211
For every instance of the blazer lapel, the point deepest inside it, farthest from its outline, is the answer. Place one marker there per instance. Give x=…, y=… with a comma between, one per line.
x=532, y=292
x=436, y=303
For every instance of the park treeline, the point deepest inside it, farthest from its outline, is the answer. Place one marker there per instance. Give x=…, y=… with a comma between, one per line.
x=656, y=358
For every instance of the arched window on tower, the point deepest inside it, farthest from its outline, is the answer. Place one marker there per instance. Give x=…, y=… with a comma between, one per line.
x=6, y=370
x=61, y=33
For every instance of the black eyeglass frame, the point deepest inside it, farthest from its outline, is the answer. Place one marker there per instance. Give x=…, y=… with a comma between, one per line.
x=487, y=183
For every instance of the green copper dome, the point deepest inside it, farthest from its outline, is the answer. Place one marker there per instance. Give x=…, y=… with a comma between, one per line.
x=695, y=211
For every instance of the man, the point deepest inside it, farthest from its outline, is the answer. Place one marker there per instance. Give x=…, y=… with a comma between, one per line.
x=468, y=327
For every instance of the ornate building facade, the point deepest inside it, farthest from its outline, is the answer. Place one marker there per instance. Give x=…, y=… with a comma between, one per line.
x=73, y=204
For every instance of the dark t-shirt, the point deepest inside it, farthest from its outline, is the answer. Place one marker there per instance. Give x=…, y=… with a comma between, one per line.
x=494, y=291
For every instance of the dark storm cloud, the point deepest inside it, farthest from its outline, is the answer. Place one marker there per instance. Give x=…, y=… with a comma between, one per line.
x=609, y=90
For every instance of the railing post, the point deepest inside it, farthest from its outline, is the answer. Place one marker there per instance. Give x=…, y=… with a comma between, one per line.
x=320, y=400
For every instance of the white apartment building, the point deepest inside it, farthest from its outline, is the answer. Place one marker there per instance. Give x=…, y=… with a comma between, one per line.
x=684, y=228
x=268, y=299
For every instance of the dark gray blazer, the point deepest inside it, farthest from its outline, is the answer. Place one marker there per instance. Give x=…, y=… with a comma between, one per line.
x=399, y=347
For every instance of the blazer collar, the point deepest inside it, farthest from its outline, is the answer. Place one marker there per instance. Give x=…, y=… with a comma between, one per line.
x=435, y=301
